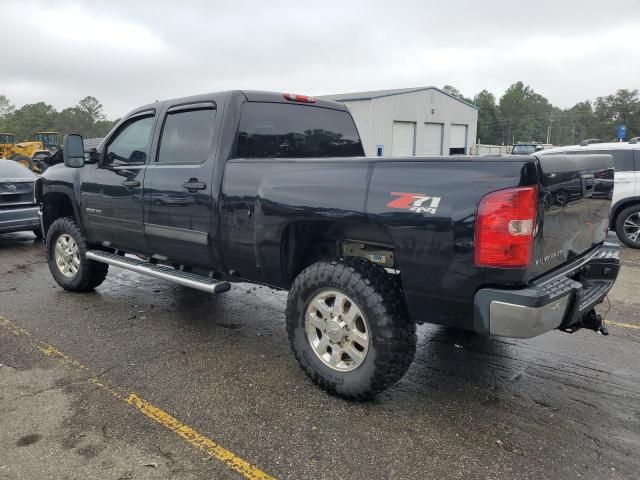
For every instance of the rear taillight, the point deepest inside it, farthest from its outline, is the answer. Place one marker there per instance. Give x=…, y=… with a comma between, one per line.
x=505, y=226
x=292, y=97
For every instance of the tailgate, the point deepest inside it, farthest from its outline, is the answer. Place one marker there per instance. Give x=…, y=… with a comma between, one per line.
x=576, y=192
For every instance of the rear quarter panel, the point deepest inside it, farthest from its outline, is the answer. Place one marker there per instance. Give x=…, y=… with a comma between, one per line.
x=435, y=249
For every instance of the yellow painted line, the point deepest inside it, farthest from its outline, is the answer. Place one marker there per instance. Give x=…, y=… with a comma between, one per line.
x=622, y=325
x=188, y=434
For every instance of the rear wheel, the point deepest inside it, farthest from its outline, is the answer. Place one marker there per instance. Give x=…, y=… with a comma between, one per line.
x=66, y=254
x=348, y=327
x=23, y=160
x=628, y=226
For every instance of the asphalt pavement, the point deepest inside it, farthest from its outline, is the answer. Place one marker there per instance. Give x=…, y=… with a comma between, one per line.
x=143, y=379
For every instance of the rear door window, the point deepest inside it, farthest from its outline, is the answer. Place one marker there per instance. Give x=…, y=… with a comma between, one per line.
x=187, y=136
x=280, y=130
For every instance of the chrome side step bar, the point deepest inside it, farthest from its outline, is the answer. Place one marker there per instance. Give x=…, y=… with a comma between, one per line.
x=186, y=279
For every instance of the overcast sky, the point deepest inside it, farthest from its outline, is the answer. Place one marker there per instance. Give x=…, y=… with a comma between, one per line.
x=127, y=53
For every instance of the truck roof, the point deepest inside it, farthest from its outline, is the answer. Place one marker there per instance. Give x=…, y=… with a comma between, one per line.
x=249, y=95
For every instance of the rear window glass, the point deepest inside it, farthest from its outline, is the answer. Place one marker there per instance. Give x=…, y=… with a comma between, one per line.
x=523, y=149
x=270, y=130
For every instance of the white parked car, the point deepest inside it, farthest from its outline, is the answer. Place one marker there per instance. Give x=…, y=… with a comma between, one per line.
x=625, y=206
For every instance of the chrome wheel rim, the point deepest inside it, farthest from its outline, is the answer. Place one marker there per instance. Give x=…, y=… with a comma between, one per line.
x=632, y=227
x=337, y=330
x=67, y=256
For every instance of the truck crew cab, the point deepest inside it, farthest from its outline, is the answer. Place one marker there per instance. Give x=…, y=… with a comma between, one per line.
x=274, y=189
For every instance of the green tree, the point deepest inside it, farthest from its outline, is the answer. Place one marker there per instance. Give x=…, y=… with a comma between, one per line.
x=102, y=127
x=525, y=114
x=574, y=124
x=621, y=108
x=92, y=108
x=488, y=118
x=72, y=120
x=6, y=107
x=454, y=92
x=86, y=118
x=31, y=118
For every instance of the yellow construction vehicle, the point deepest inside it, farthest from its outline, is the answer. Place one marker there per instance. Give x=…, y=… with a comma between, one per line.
x=30, y=154
x=6, y=141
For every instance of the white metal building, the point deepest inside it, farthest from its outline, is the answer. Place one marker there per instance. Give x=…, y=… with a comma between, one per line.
x=418, y=121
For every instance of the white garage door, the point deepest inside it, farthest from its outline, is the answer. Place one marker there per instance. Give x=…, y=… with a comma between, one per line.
x=432, y=144
x=458, y=136
x=403, y=141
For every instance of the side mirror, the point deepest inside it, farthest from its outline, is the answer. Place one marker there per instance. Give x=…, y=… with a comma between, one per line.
x=73, y=151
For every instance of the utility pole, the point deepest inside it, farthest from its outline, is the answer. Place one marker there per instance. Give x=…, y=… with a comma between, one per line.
x=549, y=129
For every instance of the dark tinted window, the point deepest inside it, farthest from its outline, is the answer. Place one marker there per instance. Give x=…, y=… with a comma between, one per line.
x=187, y=136
x=296, y=131
x=131, y=144
x=622, y=159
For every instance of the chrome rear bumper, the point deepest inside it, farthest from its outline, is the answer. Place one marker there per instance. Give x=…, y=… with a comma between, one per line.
x=557, y=300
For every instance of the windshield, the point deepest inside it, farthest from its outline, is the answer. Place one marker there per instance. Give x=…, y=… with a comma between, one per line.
x=50, y=140
x=523, y=149
x=281, y=130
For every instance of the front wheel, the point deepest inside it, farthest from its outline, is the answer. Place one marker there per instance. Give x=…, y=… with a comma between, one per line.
x=628, y=226
x=348, y=327
x=66, y=255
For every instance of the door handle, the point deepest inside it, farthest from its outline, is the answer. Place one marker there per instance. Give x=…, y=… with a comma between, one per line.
x=193, y=185
x=131, y=183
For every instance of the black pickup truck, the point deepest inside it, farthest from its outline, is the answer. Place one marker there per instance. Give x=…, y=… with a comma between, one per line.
x=274, y=189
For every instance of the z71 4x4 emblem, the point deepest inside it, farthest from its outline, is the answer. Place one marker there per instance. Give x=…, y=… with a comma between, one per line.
x=414, y=202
